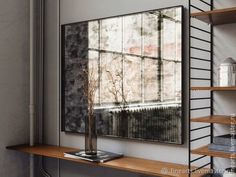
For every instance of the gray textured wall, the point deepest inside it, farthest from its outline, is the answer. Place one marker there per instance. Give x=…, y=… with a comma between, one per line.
x=14, y=86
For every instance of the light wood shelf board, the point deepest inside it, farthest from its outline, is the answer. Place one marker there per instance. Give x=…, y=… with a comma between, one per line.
x=217, y=16
x=131, y=164
x=219, y=119
x=214, y=88
x=205, y=151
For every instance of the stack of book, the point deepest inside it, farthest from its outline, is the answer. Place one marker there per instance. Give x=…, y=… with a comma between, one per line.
x=225, y=143
x=102, y=156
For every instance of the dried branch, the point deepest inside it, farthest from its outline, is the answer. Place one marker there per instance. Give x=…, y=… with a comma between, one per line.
x=117, y=91
x=90, y=88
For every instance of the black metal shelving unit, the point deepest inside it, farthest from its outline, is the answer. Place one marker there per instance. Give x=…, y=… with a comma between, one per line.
x=197, y=6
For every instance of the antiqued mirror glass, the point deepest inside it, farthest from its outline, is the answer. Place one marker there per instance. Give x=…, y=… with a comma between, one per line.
x=126, y=72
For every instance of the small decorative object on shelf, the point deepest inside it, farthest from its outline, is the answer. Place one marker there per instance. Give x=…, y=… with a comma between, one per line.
x=90, y=136
x=90, y=153
x=225, y=143
x=230, y=172
x=101, y=156
x=227, y=73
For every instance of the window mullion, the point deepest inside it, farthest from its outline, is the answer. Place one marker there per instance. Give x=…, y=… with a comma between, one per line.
x=142, y=62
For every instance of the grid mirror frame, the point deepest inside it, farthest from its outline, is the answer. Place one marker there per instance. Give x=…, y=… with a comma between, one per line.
x=128, y=69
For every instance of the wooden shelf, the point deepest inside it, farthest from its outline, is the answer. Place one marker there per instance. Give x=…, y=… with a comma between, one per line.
x=219, y=119
x=131, y=164
x=205, y=151
x=217, y=17
x=214, y=88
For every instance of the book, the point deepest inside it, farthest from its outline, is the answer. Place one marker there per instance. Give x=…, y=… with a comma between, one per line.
x=218, y=147
x=227, y=140
x=102, y=156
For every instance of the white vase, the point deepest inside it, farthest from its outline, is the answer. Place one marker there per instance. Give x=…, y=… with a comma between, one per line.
x=227, y=73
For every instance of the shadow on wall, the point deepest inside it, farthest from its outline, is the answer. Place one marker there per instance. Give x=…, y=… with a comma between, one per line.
x=83, y=170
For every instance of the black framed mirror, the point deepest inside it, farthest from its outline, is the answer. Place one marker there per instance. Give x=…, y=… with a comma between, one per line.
x=126, y=71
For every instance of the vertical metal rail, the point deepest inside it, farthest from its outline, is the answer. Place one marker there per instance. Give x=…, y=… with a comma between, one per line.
x=189, y=92
x=212, y=75
x=210, y=108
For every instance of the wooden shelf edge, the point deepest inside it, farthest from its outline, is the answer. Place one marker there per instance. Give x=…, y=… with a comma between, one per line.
x=217, y=17
x=218, y=119
x=215, y=11
x=131, y=164
x=205, y=151
x=214, y=88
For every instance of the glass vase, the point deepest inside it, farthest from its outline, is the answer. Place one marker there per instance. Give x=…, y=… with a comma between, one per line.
x=90, y=136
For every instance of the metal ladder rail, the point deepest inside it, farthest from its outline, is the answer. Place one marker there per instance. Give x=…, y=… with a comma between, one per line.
x=191, y=37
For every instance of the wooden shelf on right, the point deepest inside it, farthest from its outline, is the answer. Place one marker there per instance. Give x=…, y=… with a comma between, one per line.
x=205, y=151
x=219, y=119
x=214, y=88
x=218, y=16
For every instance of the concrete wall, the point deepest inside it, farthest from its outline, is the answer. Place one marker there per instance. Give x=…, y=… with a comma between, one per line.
x=14, y=85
